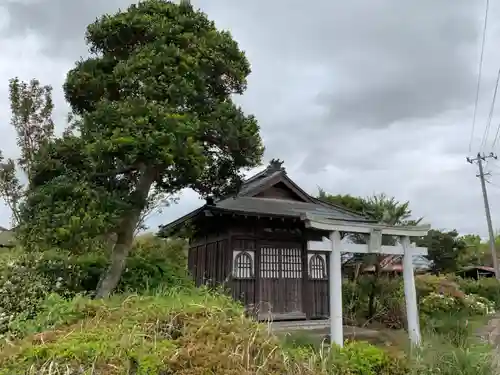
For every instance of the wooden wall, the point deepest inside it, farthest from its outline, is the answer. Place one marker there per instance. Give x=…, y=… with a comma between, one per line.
x=244, y=290
x=211, y=256
x=210, y=260
x=317, y=297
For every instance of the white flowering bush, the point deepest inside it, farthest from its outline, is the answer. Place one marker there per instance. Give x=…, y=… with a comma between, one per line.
x=436, y=302
x=470, y=303
x=487, y=287
x=478, y=305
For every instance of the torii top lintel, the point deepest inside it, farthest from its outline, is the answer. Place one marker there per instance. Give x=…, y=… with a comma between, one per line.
x=331, y=225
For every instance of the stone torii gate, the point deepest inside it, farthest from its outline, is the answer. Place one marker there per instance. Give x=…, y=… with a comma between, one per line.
x=335, y=247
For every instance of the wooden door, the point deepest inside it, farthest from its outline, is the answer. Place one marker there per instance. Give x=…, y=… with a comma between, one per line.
x=280, y=283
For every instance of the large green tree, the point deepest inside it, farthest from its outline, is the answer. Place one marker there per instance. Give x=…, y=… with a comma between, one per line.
x=379, y=207
x=154, y=111
x=476, y=252
x=444, y=250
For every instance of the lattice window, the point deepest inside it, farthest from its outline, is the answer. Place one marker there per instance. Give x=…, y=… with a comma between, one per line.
x=291, y=263
x=317, y=266
x=243, y=264
x=278, y=263
x=269, y=263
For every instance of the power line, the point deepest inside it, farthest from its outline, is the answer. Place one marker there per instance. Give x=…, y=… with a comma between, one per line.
x=492, y=184
x=479, y=73
x=490, y=116
x=496, y=137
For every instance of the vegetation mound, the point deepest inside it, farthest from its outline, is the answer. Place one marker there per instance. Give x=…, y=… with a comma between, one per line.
x=184, y=333
x=142, y=335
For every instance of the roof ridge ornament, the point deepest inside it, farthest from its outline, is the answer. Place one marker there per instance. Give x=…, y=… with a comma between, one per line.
x=275, y=165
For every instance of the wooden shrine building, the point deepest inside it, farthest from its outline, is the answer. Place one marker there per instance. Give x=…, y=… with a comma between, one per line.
x=256, y=244
x=271, y=245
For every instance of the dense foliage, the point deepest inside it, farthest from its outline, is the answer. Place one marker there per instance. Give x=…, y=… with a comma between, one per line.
x=437, y=295
x=195, y=332
x=189, y=332
x=154, y=113
x=27, y=278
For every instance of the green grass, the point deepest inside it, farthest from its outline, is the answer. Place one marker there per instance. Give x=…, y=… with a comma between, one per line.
x=450, y=346
x=184, y=332
x=440, y=356
x=195, y=332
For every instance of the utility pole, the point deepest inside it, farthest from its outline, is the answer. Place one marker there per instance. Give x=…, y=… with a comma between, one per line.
x=479, y=159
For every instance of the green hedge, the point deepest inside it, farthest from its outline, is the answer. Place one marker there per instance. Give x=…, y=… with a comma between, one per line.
x=486, y=287
x=27, y=278
x=437, y=296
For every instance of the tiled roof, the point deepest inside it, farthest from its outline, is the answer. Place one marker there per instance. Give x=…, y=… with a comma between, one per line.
x=245, y=201
x=282, y=207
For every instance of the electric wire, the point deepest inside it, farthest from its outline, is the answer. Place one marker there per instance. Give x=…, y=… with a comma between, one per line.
x=490, y=115
x=479, y=73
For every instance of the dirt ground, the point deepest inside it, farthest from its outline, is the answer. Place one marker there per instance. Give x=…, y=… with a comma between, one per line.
x=491, y=333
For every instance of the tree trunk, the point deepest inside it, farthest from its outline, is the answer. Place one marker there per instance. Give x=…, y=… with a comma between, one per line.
x=372, y=297
x=124, y=238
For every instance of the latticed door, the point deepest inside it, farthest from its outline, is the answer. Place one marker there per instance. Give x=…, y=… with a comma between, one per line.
x=280, y=281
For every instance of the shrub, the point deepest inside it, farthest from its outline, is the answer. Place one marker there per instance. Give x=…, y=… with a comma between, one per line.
x=488, y=288
x=365, y=359
x=53, y=311
x=354, y=301
x=444, y=308
x=155, y=262
x=20, y=290
x=27, y=278
x=389, y=301
x=438, y=303
x=469, y=303
x=186, y=332
x=446, y=285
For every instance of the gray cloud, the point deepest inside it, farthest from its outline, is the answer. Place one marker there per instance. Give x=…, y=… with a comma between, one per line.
x=357, y=97
x=61, y=23
x=330, y=72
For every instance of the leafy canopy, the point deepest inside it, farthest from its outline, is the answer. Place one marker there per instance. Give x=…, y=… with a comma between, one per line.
x=444, y=250
x=154, y=111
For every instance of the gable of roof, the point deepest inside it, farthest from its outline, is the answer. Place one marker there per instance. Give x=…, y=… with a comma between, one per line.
x=274, y=175
x=268, y=178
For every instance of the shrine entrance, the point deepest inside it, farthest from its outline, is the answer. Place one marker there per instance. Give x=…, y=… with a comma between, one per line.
x=280, y=283
x=334, y=247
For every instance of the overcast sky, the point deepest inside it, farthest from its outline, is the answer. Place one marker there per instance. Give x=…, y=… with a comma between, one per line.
x=355, y=96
